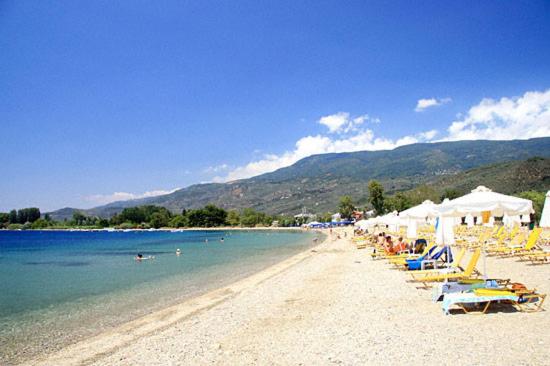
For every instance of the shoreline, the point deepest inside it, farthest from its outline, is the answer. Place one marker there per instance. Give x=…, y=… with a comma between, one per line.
x=176, y=230
x=86, y=350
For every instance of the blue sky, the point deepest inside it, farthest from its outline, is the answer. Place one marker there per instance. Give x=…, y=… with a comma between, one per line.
x=105, y=100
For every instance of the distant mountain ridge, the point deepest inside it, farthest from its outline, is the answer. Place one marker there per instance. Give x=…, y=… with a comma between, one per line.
x=317, y=182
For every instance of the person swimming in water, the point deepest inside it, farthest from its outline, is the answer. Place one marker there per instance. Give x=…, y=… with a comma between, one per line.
x=178, y=251
x=221, y=240
x=140, y=257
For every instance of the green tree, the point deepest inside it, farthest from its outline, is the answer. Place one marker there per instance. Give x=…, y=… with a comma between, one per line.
x=13, y=217
x=208, y=216
x=79, y=218
x=115, y=220
x=233, y=218
x=179, y=221
x=40, y=224
x=158, y=220
x=215, y=216
x=422, y=193
x=376, y=196
x=326, y=217
x=250, y=218
x=286, y=221
x=30, y=214
x=398, y=202
x=450, y=193
x=346, y=207
x=133, y=214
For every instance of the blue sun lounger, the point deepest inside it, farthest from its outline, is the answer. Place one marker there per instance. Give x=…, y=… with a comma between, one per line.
x=416, y=264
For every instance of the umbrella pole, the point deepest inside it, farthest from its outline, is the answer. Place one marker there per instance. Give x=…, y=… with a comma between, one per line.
x=484, y=260
x=443, y=240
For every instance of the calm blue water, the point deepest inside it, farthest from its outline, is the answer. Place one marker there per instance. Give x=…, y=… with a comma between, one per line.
x=59, y=287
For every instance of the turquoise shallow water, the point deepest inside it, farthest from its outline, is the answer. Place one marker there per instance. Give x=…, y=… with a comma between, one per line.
x=59, y=287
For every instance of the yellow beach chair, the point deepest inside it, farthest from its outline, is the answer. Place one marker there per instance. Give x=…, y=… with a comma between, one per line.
x=539, y=257
x=529, y=245
x=439, y=277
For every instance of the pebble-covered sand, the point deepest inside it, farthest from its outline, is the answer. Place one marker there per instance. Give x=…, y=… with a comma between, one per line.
x=329, y=305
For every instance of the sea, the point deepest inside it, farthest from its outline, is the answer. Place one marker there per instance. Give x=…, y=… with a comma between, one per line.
x=59, y=287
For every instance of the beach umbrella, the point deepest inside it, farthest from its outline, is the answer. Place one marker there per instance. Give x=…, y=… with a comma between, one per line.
x=444, y=234
x=469, y=220
x=545, y=217
x=483, y=200
x=479, y=220
x=426, y=209
x=411, y=229
x=506, y=221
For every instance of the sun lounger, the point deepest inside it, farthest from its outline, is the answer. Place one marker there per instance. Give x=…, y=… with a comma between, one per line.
x=441, y=289
x=401, y=261
x=381, y=254
x=454, y=267
x=518, y=249
x=540, y=257
x=426, y=278
x=420, y=263
x=528, y=301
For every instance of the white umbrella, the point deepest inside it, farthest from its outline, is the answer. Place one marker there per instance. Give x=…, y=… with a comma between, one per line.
x=426, y=209
x=482, y=199
x=469, y=220
x=479, y=220
x=545, y=217
x=444, y=234
x=363, y=224
x=411, y=229
x=392, y=220
x=506, y=221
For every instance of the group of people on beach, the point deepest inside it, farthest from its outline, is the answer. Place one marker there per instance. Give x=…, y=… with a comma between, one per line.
x=401, y=246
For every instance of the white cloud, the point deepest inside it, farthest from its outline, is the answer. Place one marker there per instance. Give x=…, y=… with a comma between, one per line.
x=335, y=122
x=423, y=104
x=217, y=168
x=342, y=122
x=522, y=117
x=428, y=135
x=124, y=196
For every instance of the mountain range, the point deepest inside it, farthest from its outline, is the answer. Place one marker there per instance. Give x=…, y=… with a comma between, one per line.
x=317, y=182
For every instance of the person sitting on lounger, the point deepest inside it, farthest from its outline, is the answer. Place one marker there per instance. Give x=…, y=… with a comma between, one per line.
x=420, y=245
x=380, y=239
x=388, y=245
x=401, y=246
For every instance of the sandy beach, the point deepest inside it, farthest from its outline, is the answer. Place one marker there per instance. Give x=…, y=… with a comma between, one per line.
x=329, y=305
